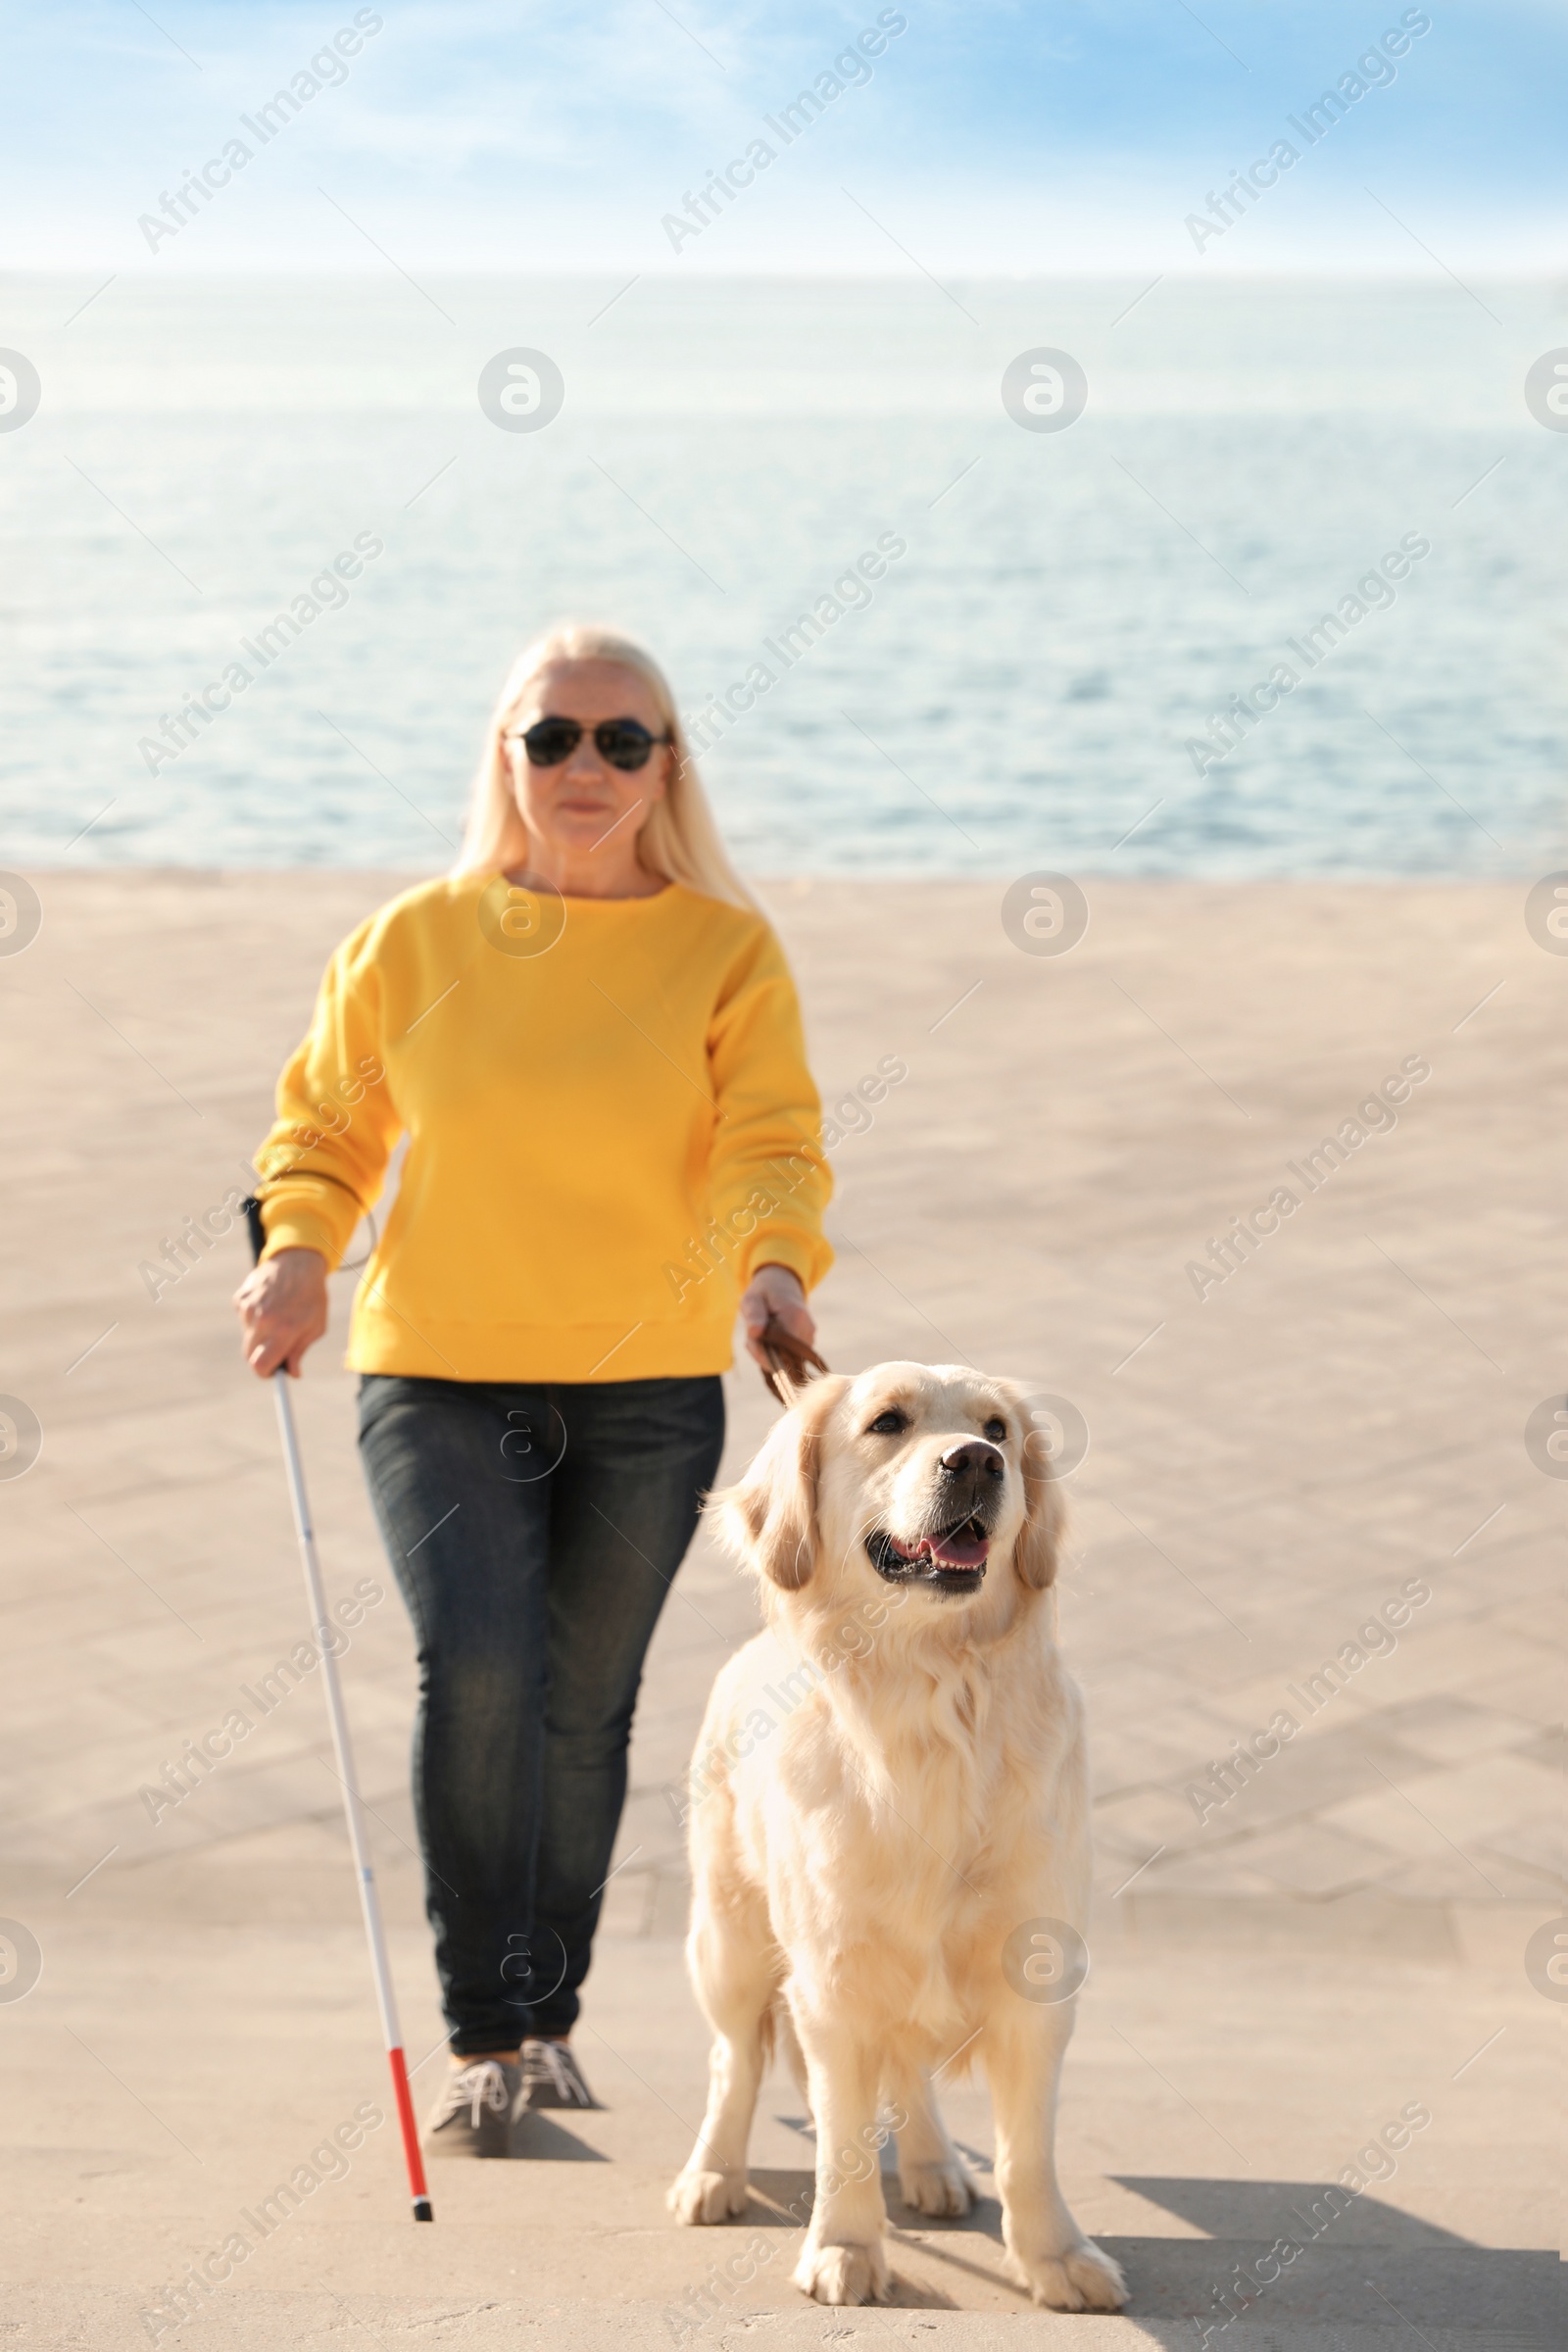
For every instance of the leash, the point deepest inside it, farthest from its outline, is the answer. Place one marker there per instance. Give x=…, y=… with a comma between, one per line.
x=789, y=1359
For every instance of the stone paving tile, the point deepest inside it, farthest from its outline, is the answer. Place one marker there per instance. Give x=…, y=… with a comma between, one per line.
x=1133, y=1825
x=1539, y=1842
x=1310, y=1859
x=1468, y=1799
x=1127, y=1760
x=1445, y=1877
x=1537, y=1695
x=1549, y=1747
x=1448, y=1653
x=1468, y=1870
x=1214, y=1874
x=1452, y=1730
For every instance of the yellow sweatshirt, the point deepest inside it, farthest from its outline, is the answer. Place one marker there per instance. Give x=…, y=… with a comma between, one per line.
x=610, y=1120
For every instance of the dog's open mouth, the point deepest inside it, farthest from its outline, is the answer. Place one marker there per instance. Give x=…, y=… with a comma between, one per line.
x=949, y=1559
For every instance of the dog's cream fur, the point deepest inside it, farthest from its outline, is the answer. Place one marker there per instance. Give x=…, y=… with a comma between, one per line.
x=890, y=1781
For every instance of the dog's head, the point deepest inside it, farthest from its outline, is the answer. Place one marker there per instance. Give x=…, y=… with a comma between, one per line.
x=923, y=1477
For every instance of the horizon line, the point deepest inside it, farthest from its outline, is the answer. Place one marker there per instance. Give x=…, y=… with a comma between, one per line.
x=671, y=273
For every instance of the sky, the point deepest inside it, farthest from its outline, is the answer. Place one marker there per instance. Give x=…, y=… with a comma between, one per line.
x=984, y=138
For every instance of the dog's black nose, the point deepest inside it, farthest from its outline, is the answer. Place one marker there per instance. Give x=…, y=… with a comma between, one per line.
x=974, y=1456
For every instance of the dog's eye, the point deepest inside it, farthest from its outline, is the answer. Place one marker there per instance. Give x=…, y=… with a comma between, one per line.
x=996, y=1428
x=888, y=1424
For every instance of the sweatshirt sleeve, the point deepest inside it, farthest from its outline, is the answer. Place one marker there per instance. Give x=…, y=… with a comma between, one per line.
x=771, y=1178
x=325, y=1159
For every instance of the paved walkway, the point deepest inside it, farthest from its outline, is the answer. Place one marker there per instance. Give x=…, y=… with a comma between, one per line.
x=1331, y=1438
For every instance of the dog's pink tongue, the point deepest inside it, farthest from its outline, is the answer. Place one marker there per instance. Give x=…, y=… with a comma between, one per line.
x=945, y=1552
x=958, y=1551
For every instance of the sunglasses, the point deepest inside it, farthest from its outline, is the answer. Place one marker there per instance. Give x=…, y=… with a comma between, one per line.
x=624, y=742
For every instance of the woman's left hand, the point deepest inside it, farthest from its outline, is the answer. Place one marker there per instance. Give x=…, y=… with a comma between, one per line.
x=775, y=1291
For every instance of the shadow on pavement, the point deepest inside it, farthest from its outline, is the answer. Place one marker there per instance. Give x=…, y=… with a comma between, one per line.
x=535, y=2136
x=1358, y=2263
x=1297, y=2210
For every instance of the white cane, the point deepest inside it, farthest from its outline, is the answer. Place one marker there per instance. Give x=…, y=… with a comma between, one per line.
x=369, y=1902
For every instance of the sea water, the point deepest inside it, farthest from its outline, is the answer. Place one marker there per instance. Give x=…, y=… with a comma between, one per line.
x=915, y=635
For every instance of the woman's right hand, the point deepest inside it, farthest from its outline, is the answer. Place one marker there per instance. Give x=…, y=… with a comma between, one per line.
x=282, y=1308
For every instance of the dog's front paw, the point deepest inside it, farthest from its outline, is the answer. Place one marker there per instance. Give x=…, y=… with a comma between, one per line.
x=843, y=2274
x=697, y=2197
x=939, y=2189
x=1086, y=2279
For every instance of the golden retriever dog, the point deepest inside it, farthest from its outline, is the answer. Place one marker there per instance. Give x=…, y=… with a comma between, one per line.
x=889, y=1819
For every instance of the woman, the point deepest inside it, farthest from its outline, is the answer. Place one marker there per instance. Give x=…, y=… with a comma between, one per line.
x=590, y=1038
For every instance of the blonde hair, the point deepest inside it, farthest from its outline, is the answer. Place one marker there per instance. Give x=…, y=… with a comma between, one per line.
x=678, y=839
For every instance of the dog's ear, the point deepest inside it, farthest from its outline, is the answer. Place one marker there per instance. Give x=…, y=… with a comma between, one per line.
x=768, y=1519
x=1035, y=1552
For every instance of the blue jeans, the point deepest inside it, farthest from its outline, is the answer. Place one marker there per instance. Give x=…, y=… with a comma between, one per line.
x=534, y=1531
